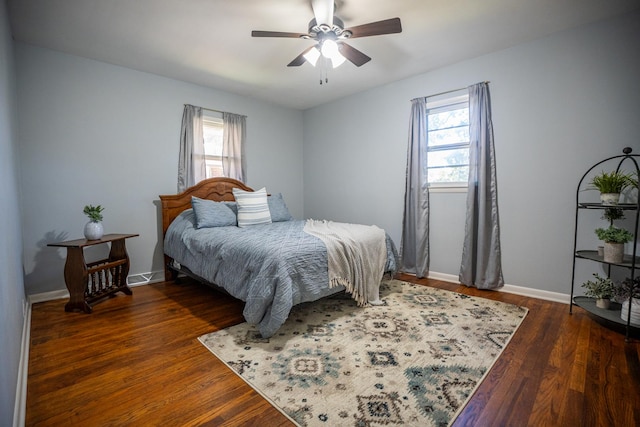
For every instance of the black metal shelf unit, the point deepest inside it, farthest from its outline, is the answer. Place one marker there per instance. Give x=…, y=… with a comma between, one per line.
x=612, y=316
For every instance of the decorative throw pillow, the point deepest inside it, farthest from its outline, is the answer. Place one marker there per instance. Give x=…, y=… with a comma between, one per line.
x=253, y=208
x=278, y=208
x=233, y=206
x=212, y=214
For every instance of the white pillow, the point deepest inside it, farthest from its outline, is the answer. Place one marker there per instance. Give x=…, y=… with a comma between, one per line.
x=253, y=208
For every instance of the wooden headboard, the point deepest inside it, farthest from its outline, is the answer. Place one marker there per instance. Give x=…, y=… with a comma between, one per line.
x=216, y=189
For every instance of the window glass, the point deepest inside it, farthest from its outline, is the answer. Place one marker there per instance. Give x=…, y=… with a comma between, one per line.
x=448, y=140
x=212, y=132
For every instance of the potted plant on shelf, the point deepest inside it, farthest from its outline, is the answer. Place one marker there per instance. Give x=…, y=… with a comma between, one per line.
x=610, y=185
x=612, y=214
x=614, y=239
x=93, y=230
x=601, y=288
x=629, y=289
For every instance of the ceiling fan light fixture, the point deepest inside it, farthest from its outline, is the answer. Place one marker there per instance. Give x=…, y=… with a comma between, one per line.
x=337, y=60
x=330, y=51
x=312, y=56
x=329, y=48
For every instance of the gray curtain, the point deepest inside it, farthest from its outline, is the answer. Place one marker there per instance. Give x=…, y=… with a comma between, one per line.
x=191, y=166
x=481, y=257
x=414, y=247
x=233, y=136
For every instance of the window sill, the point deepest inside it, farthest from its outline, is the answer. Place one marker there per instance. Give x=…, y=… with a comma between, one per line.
x=448, y=189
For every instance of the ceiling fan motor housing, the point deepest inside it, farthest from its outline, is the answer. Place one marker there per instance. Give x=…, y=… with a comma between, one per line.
x=316, y=31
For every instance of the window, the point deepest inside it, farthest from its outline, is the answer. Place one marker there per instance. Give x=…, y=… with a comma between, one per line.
x=212, y=132
x=448, y=140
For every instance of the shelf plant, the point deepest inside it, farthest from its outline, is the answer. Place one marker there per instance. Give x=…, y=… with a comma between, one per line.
x=611, y=184
x=612, y=214
x=629, y=290
x=614, y=239
x=614, y=235
x=601, y=288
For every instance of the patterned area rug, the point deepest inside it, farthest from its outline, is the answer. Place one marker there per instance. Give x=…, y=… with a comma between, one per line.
x=414, y=361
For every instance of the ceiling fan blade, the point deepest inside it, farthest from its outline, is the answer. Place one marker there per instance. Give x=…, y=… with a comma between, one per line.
x=277, y=34
x=388, y=26
x=323, y=11
x=300, y=59
x=352, y=54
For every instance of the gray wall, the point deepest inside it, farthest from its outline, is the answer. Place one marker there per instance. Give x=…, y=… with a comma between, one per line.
x=12, y=295
x=560, y=104
x=94, y=133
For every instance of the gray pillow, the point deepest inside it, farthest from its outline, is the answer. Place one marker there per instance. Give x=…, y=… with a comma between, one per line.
x=233, y=206
x=212, y=214
x=278, y=208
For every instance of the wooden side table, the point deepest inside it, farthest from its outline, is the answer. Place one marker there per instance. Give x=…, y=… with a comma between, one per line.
x=90, y=282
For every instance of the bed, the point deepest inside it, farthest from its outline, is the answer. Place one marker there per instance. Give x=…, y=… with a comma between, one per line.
x=271, y=267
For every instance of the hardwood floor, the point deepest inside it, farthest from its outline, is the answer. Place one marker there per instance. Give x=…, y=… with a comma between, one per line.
x=136, y=361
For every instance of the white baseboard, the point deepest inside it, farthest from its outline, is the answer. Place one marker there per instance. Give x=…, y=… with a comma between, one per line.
x=133, y=280
x=536, y=293
x=511, y=289
x=20, y=407
x=48, y=296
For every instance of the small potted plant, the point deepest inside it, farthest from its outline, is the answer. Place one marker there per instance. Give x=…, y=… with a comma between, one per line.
x=614, y=239
x=629, y=290
x=610, y=185
x=612, y=214
x=601, y=288
x=94, y=229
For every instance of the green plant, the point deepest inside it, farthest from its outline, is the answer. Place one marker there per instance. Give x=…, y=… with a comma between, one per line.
x=600, y=288
x=611, y=214
x=613, y=182
x=627, y=288
x=614, y=235
x=93, y=212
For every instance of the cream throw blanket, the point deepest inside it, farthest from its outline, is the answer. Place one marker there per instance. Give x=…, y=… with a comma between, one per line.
x=357, y=255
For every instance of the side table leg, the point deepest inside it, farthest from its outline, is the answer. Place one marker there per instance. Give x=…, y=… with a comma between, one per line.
x=76, y=279
x=119, y=251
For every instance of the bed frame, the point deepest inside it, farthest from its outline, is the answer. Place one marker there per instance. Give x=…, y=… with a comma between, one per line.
x=216, y=189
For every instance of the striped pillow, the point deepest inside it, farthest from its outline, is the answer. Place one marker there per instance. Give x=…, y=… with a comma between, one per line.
x=253, y=208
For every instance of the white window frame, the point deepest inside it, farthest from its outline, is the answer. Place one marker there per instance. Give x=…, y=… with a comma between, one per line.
x=439, y=104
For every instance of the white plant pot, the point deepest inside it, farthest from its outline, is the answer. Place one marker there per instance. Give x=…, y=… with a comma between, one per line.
x=603, y=303
x=93, y=230
x=613, y=252
x=635, y=311
x=609, y=199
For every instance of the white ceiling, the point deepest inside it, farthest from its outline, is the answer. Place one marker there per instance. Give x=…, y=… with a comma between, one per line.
x=208, y=42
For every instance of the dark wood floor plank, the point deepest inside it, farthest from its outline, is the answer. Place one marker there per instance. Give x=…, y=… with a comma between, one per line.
x=136, y=361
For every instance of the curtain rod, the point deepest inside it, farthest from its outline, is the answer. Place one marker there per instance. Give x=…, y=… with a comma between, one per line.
x=447, y=91
x=215, y=111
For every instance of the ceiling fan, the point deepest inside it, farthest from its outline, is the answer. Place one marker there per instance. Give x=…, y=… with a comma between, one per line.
x=329, y=33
